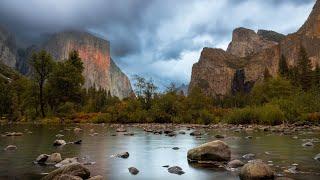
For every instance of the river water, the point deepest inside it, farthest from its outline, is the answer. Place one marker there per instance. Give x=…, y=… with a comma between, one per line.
x=149, y=152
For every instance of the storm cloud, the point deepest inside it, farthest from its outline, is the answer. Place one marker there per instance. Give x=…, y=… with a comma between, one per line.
x=153, y=38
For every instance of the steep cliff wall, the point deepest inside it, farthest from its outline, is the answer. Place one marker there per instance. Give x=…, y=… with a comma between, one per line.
x=252, y=53
x=99, y=69
x=8, y=50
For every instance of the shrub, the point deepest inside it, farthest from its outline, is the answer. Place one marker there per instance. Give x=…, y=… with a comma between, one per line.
x=267, y=114
x=102, y=118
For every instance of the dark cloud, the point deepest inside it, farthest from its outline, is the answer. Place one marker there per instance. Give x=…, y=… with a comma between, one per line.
x=160, y=38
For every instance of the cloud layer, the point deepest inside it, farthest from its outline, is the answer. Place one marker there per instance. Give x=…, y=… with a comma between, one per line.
x=154, y=38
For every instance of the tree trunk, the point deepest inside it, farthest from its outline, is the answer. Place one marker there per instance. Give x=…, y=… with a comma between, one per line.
x=41, y=100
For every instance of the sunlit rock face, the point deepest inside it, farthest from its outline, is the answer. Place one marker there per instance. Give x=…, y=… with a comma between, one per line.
x=308, y=36
x=8, y=50
x=253, y=53
x=99, y=69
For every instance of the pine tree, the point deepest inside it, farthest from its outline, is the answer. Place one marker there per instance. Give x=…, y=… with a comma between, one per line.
x=283, y=67
x=42, y=65
x=304, y=69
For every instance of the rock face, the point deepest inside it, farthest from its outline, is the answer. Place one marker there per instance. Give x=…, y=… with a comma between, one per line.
x=215, y=151
x=100, y=70
x=8, y=49
x=246, y=42
x=219, y=73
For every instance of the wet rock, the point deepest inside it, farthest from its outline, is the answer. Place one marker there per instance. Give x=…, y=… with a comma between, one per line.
x=249, y=137
x=66, y=162
x=235, y=163
x=54, y=158
x=59, y=142
x=317, y=157
x=307, y=144
x=42, y=158
x=176, y=170
x=77, y=130
x=59, y=135
x=175, y=148
x=74, y=169
x=182, y=132
x=128, y=134
x=14, y=134
x=121, y=129
x=195, y=133
x=98, y=177
x=212, y=151
x=171, y=134
x=133, y=170
x=249, y=156
x=11, y=148
x=78, y=142
x=218, y=136
x=165, y=166
x=292, y=170
x=113, y=135
x=256, y=169
x=123, y=155
x=168, y=131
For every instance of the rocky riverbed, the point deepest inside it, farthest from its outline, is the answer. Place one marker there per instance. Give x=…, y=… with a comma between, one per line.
x=157, y=151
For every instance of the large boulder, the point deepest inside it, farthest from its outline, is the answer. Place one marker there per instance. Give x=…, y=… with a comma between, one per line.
x=67, y=161
x=74, y=169
x=54, y=158
x=256, y=169
x=215, y=151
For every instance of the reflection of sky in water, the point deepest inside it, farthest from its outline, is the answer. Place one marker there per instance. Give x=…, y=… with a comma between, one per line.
x=148, y=152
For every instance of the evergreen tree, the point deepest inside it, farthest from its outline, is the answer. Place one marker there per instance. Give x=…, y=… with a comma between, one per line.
x=42, y=65
x=283, y=67
x=65, y=83
x=304, y=69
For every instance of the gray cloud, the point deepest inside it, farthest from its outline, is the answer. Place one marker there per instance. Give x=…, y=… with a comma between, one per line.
x=157, y=38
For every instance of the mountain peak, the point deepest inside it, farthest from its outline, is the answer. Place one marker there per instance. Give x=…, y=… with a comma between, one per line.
x=312, y=26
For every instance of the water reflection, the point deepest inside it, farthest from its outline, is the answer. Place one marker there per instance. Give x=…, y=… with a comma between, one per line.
x=148, y=152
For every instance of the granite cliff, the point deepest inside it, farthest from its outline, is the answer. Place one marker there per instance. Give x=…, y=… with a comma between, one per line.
x=100, y=71
x=8, y=49
x=250, y=54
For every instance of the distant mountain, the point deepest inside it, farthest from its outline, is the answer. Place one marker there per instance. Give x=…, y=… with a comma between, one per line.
x=249, y=54
x=8, y=49
x=183, y=88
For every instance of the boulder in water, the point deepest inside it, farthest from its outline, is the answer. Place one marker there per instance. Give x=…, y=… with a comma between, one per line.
x=215, y=151
x=54, y=158
x=11, y=148
x=235, y=163
x=123, y=155
x=42, y=158
x=74, y=169
x=133, y=170
x=59, y=142
x=317, y=157
x=256, y=169
x=176, y=170
x=67, y=161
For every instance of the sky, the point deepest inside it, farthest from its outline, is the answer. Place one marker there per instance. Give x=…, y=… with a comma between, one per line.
x=158, y=39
